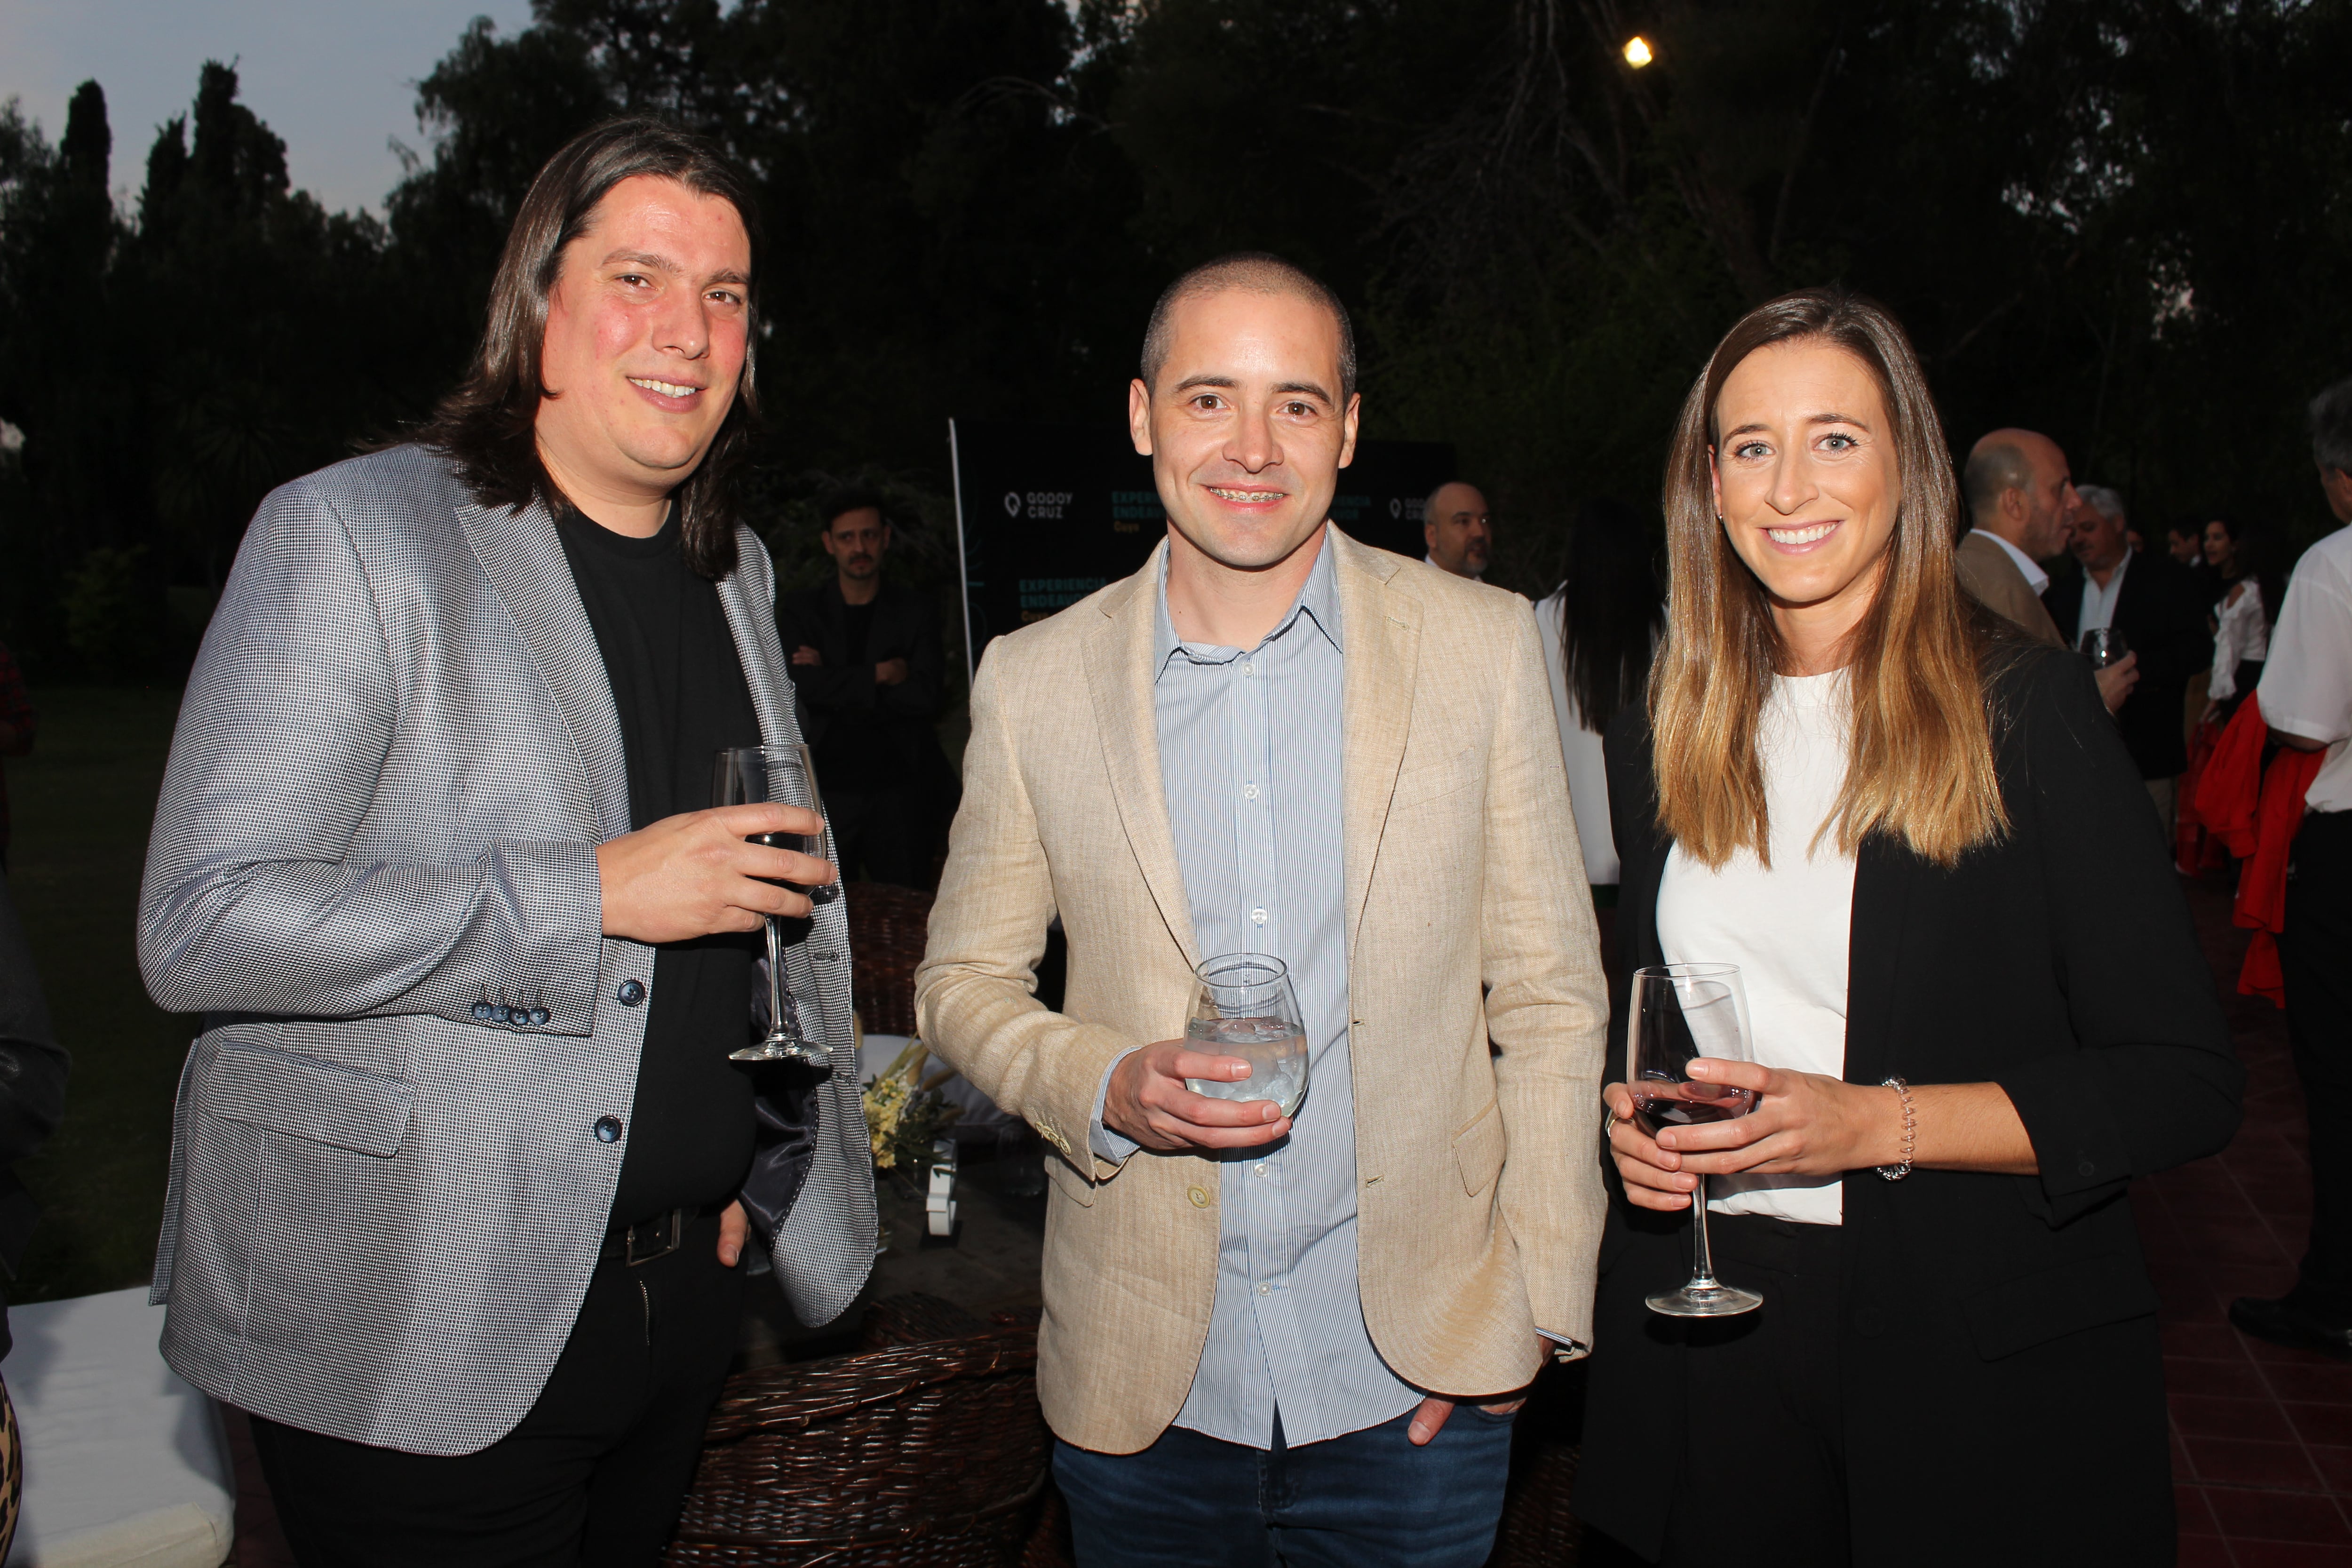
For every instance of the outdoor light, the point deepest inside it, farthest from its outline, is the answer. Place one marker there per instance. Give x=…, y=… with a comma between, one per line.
x=1637, y=51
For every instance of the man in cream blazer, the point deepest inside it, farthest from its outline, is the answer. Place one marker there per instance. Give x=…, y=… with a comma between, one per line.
x=1255, y=1330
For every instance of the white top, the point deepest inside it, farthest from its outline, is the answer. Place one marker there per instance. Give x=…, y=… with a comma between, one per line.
x=1790, y=928
x=2306, y=687
x=2242, y=633
x=1579, y=748
x=2099, y=603
x=2035, y=577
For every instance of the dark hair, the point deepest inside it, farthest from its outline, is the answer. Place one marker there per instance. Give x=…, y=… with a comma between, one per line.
x=1612, y=611
x=841, y=502
x=1255, y=272
x=2331, y=428
x=2248, y=559
x=487, y=423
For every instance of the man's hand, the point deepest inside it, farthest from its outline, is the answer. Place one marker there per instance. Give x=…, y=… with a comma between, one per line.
x=807, y=655
x=733, y=1226
x=1431, y=1418
x=694, y=874
x=1148, y=1101
x=2116, y=681
x=891, y=672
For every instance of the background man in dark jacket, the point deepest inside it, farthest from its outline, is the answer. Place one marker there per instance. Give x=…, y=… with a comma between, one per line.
x=2158, y=607
x=866, y=659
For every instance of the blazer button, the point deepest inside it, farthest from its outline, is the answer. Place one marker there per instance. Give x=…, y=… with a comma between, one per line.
x=608, y=1130
x=482, y=1011
x=539, y=1017
x=631, y=992
x=1200, y=1198
x=500, y=1015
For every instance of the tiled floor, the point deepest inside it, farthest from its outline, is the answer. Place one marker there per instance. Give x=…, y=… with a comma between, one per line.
x=2262, y=1448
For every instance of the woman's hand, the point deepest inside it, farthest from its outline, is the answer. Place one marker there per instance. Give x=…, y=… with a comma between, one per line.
x=1803, y=1124
x=1653, y=1178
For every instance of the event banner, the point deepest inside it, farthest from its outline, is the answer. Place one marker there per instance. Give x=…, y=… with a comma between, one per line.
x=1048, y=513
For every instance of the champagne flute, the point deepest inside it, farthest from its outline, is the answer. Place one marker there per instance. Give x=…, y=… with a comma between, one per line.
x=786, y=775
x=1679, y=1012
x=1244, y=1006
x=2104, y=646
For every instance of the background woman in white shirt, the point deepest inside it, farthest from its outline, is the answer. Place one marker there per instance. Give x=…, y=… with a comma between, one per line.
x=1921, y=839
x=2242, y=616
x=1598, y=629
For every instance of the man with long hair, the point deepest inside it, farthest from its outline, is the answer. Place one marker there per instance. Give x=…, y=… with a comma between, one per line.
x=1257, y=1328
x=461, y=1171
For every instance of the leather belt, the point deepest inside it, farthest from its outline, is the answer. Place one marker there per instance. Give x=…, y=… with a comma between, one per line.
x=630, y=1244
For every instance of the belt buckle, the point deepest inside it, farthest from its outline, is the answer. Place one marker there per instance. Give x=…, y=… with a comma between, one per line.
x=674, y=1222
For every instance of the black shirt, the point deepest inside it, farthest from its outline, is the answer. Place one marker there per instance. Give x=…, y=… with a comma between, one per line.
x=680, y=688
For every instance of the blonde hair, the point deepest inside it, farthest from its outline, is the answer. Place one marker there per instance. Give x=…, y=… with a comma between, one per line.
x=1920, y=759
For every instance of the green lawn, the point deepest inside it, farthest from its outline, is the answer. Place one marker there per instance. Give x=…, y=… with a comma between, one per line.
x=82, y=804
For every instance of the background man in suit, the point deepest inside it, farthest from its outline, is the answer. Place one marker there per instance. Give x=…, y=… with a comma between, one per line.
x=1274, y=740
x=455, y=1187
x=2155, y=604
x=2019, y=493
x=1458, y=528
x=866, y=659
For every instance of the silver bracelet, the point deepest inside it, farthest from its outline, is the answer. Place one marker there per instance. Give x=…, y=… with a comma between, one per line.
x=1910, y=1132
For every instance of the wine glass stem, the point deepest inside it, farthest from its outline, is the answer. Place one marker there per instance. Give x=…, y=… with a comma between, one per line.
x=1702, y=1260
x=775, y=979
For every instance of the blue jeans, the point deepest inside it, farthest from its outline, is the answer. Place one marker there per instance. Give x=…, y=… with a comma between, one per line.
x=1368, y=1500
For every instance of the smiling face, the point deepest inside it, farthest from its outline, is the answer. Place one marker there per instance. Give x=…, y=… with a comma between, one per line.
x=1807, y=484
x=647, y=330
x=1245, y=427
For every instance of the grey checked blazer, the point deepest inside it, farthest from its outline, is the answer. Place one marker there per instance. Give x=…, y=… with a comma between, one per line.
x=396, y=755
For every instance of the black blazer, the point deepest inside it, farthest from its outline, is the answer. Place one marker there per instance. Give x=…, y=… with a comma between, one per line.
x=841, y=705
x=2000, y=1371
x=2160, y=610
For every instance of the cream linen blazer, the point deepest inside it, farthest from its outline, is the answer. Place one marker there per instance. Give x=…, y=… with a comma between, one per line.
x=1468, y=921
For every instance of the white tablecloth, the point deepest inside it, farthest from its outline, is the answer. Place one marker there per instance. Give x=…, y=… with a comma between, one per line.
x=125, y=1465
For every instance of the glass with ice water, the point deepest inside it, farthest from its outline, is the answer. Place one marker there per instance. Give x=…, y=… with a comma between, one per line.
x=1244, y=1006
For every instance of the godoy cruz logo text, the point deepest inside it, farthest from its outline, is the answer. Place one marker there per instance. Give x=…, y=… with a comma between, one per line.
x=1044, y=506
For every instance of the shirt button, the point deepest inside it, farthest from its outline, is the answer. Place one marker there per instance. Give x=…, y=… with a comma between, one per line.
x=608, y=1130
x=631, y=992
x=1248, y=669
x=1265, y=1290
x=1259, y=1167
x=1257, y=917
x=1249, y=792
x=1200, y=1199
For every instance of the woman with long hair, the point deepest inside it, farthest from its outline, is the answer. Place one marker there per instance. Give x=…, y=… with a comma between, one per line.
x=1977, y=1009
x=2242, y=616
x=1600, y=628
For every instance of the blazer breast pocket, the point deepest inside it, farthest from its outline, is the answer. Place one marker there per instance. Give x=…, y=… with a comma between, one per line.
x=1434, y=781
x=302, y=1097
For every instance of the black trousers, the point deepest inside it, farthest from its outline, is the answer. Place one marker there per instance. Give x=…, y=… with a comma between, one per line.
x=594, y=1474
x=886, y=834
x=1763, y=1479
x=2316, y=961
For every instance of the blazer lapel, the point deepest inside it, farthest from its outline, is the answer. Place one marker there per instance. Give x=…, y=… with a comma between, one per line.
x=524, y=559
x=1119, y=677
x=753, y=625
x=1382, y=632
x=1883, y=872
